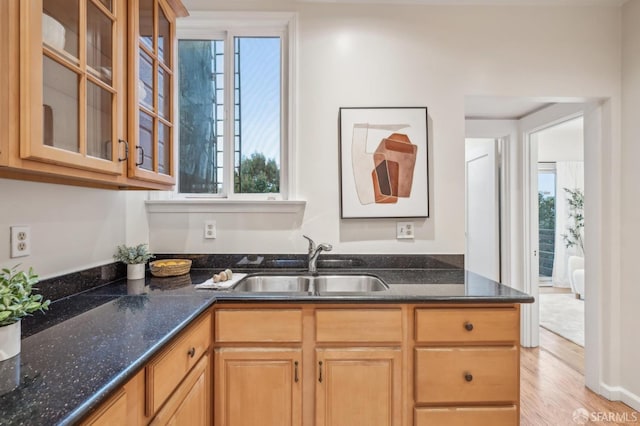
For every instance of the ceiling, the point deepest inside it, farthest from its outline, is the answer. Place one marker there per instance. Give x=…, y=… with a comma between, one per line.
x=490, y=107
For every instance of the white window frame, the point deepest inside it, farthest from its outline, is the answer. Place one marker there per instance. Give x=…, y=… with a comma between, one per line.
x=226, y=26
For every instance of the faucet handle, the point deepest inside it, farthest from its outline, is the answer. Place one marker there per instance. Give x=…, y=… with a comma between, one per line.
x=312, y=245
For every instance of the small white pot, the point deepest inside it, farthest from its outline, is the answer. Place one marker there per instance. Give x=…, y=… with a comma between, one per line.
x=9, y=341
x=135, y=271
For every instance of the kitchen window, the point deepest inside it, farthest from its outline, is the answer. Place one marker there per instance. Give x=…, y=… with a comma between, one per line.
x=234, y=89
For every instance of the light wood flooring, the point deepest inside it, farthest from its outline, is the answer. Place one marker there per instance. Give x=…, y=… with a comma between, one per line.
x=551, y=389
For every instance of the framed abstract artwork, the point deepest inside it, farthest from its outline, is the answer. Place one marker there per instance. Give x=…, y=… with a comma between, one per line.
x=383, y=163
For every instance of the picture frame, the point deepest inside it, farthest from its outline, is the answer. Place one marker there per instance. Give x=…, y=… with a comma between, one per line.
x=384, y=167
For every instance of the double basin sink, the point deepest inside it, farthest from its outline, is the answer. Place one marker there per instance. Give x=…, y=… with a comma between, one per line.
x=314, y=284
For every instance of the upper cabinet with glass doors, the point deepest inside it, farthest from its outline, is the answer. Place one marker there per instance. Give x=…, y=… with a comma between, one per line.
x=94, y=79
x=73, y=86
x=151, y=70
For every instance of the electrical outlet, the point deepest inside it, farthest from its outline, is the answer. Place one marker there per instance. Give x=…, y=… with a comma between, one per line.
x=20, y=241
x=209, y=229
x=404, y=230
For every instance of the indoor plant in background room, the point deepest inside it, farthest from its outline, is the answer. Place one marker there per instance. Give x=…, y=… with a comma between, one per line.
x=574, y=238
x=135, y=258
x=16, y=302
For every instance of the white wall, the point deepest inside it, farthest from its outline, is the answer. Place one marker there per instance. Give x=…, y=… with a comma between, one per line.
x=381, y=55
x=630, y=295
x=72, y=228
x=563, y=142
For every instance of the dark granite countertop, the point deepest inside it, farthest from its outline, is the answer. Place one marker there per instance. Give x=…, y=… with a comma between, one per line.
x=89, y=344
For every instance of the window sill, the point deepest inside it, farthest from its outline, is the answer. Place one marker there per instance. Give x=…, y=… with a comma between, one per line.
x=225, y=206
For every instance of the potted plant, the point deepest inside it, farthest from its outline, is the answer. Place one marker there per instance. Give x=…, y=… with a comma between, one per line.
x=16, y=301
x=135, y=258
x=576, y=220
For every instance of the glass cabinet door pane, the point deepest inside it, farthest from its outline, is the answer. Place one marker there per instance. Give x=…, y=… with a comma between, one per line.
x=146, y=22
x=99, y=122
x=60, y=106
x=163, y=148
x=99, y=43
x=164, y=94
x=145, y=140
x=60, y=26
x=164, y=37
x=145, y=82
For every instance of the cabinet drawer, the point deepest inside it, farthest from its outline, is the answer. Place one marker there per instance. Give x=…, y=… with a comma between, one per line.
x=460, y=375
x=167, y=370
x=359, y=325
x=477, y=416
x=467, y=325
x=258, y=325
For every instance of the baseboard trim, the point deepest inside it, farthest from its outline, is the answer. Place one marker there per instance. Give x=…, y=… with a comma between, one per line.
x=618, y=393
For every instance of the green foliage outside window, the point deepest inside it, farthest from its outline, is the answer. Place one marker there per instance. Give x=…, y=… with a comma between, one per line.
x=546, y=211
x=257, y=175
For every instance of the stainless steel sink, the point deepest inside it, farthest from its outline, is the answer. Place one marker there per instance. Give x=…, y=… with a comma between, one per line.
x=320, y=284
x=348, y=284
x=274, y=284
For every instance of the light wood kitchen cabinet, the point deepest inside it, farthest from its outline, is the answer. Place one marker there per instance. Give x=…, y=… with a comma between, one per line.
x=125, y=406
x=476, y=416
x=467, y=365
x=308, y=364
x=359, y=387
x=169, y=368
x=152, y=62
x=367, y=364
x=258, y=386
x=174, y=388
x=190, y=404
x=67, y=92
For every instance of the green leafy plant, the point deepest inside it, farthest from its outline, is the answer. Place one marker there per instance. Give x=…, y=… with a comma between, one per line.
x=133, y=255
x=16, y=298
x=573, y=238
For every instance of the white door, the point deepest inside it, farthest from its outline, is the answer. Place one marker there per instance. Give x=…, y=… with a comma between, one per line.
x=482, y=193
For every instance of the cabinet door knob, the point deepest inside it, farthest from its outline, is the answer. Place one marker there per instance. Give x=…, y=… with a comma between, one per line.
x=191, y=352
x=295, y=375
x=320, y=371
x=468, y=326
x=468, y=377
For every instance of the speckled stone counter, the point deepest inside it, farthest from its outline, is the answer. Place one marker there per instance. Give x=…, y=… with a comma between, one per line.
x=89, y=344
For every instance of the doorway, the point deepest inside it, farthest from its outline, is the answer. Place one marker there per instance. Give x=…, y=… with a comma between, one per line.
x=560, y=235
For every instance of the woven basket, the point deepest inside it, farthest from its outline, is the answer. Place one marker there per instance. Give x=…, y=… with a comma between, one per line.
x=170, y=267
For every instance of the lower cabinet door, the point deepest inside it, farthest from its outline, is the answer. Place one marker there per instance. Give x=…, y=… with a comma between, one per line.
x=258, y=387
x=358, y=387
x=476, y=416
x=113, y=412
x=190, y=404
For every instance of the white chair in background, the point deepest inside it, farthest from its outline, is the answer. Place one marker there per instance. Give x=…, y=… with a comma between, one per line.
x=576, y=275
x=578, y=281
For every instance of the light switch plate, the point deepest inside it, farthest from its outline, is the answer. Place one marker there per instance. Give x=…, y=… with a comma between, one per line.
x=404, y=230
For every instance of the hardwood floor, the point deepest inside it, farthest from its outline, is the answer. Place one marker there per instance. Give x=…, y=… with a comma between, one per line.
x=551, y=391
x=563, y=349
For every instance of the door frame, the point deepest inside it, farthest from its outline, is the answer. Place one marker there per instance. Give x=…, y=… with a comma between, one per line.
x=529, y=126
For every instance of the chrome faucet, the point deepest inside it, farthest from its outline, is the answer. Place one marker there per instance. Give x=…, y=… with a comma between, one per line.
x=314, y=252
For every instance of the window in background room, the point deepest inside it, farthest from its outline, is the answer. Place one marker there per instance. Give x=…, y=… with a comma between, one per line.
x=233, y=114
x=547, y=220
